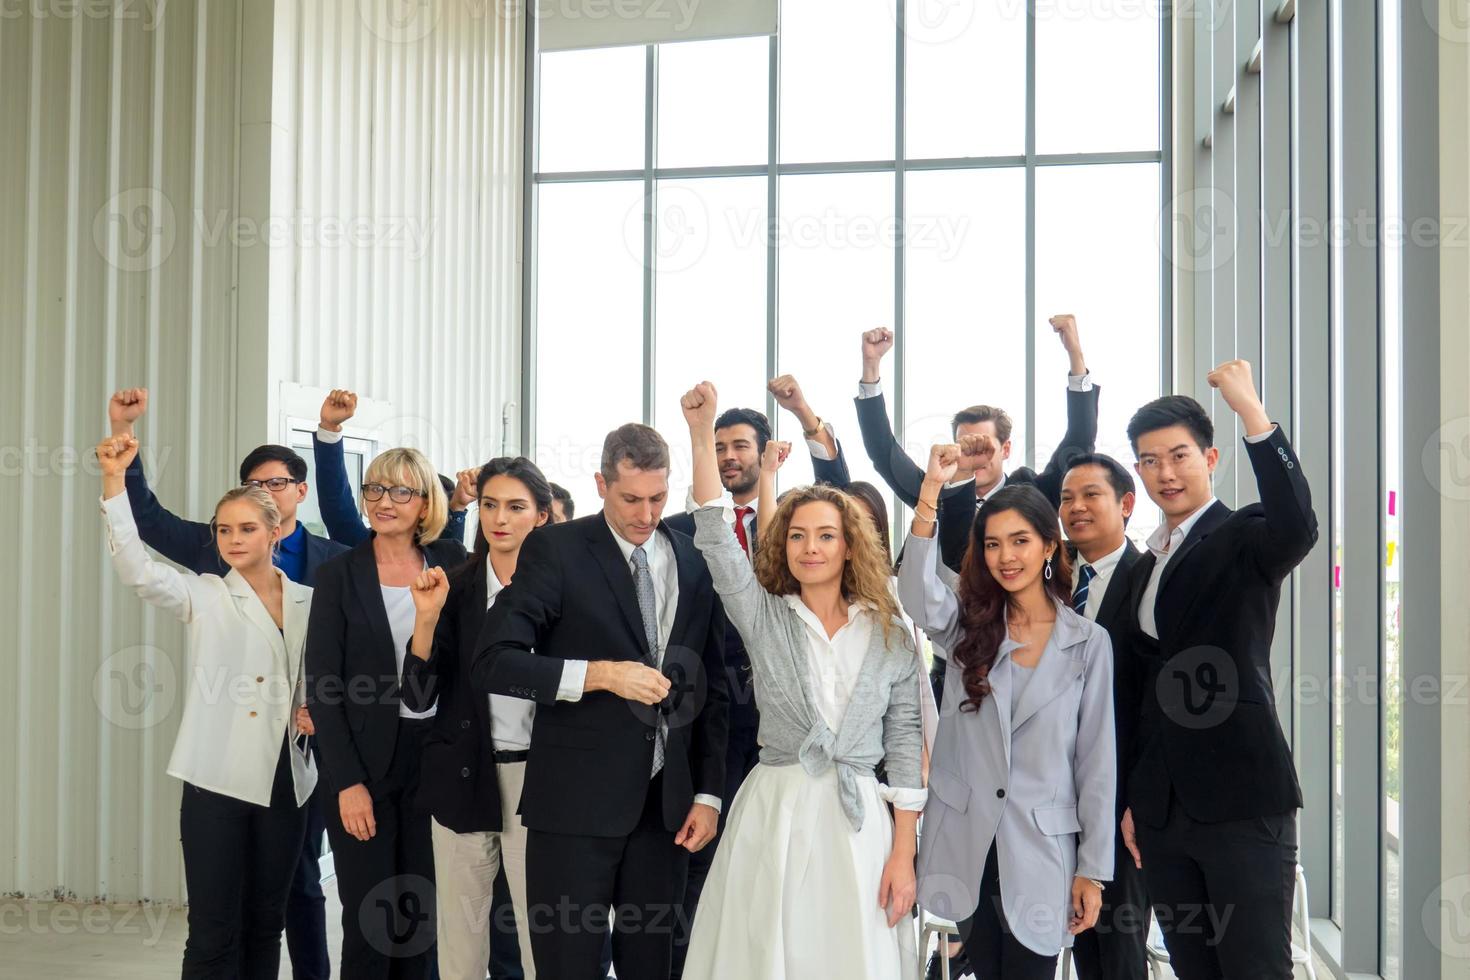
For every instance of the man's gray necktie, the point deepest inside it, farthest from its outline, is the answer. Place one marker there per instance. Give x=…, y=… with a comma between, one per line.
x=648, y=609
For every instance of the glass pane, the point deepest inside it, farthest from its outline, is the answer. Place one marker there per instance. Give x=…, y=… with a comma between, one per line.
x=710, y=301
x=589, y=326
x=837, y=80
x=836, y=281
x=1097, y=76
x=965, y=301
x=592, y=109
x=713, y=102
x=1098, y=258
x=977, y=50
x=1339, y=534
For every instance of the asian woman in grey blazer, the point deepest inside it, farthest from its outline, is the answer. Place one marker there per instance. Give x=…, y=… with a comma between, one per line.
x=1017, y=836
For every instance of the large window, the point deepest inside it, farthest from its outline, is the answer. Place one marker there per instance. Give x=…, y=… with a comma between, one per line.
x=693, y=218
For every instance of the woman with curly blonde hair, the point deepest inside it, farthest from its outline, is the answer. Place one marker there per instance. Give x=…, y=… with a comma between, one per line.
x=812, y=877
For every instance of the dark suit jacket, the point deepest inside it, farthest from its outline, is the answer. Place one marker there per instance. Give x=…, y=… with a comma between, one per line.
x=191, y=543
x=957, y=505
x=458, y=784
x=337, y=499
x=573, y=598
x=1208, y=731
x=352, y=684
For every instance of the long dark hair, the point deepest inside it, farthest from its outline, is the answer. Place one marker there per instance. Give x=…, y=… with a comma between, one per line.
x=519, y=468
x=984, y=602
x=869, y=495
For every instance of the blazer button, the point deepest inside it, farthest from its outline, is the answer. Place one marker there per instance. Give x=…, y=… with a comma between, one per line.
x=1000, y=794
x=464, y=724
x=648, y=736
x=465, y=772
x=252, y=714
x=260, y=680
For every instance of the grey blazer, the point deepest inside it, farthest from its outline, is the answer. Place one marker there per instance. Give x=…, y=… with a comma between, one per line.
x=882, y=718
x=1040, y=784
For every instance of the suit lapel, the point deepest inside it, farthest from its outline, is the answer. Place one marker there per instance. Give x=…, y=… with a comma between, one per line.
x=250, y=606
x=1055, y=671
x=1002, y=677
x=1120, y=585
x=368, y=586
x=295, y=611
x=619, y=576
x=1207, y=523
x=688, y=561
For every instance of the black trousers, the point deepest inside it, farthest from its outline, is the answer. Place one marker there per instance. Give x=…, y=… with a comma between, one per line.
x=572, y=881
x=387, y=882
x=742, y=752
x=306, y=907
x=936, y=679
x=994, y=953
x=1222, y=893
x=1117, y=948
x=238, y=861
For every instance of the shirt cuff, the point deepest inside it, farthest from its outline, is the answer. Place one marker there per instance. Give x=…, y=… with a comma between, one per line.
x=724, y=501
x=818, y=450
x=327, y=435
x=1080, y=382
x=903, y=798
x=873, y=390
x=959, y=483
x=573, y=680
x=1264, y=435
x=712, y=802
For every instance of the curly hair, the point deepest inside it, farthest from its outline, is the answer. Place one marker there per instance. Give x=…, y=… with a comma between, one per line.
x=984, y=602
x=865, y=575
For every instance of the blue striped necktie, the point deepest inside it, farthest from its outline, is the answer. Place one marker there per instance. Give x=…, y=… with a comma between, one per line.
x=1084, y=582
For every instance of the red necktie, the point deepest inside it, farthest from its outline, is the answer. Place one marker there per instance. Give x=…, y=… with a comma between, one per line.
x=740, y=513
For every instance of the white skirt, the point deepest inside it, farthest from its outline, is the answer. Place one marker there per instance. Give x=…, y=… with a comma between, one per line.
x=793, y=890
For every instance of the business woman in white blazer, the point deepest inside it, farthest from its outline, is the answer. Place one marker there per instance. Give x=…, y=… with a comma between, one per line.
x=246, y=777
x=1017, y=838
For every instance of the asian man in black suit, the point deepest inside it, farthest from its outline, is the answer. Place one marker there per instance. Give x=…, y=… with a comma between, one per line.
x=1213, y=792
x=1098, y=496
x=613, y=628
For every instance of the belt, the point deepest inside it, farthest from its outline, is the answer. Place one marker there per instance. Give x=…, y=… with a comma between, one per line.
x=511, y=755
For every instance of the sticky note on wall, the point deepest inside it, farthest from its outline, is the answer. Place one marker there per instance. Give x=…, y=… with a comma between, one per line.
x=1392, y=547
x=1393, y=509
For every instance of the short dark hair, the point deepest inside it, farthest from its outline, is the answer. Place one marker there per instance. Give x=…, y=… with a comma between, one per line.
x=983, y=413
x=1118, y=475
x=295, y=465
x=640, y=446
x=747, y=416
x=559, y=492
x=1161, y=413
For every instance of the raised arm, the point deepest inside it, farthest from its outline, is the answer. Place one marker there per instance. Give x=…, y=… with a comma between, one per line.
x=771, y=459
x=1082, y=397
x=335, y=496
x=434, y=647
x=929, y=602
x=828, y=464
x=178, y=540
x=893, y=465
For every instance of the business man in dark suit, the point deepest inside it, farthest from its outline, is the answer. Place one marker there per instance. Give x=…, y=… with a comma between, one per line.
x=1098, y=496
x=612, y=627
x=282, y=473
x=1213, y=792
x=983, y=433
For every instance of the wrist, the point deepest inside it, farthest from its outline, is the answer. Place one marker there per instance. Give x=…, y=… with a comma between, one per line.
x=807, y=419
x=329, y=426
x=929, y=490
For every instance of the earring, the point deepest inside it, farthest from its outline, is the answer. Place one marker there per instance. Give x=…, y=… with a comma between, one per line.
x=1047, y=572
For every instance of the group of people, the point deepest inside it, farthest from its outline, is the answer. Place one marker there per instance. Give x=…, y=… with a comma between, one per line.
x=713, y=745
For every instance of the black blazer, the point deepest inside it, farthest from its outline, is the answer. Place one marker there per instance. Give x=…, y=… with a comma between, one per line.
x=957, y=505
x=352, y=685
x=573, y=598
x=458, y=784
x=1208, y=730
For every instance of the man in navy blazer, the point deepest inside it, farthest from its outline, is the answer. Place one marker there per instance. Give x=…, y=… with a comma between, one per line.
x=282, y=473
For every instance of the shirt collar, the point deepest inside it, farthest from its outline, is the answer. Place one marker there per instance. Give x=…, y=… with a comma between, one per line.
x=650, y=547
x=295, y=542
x=995, y=489
x=492, y=581
x=1162, y=541
x=1106, y=562
x=810, y=618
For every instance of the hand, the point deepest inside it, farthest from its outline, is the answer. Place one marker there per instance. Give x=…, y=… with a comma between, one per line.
x=429, y=591
x=788, y=394
x=1233, y=378
x=124, y=408
x=1064, y=325
x=634, y=681
x=977, y=449
x=775, y=454
x=699, y=828
x=898, y=888
x=356, y=805
x=303, y=722
x=944, y=462
x=1130, y=840
x=1086, y=904
x=115, y=453
x=876, y=343
x=700, y=405
x=465, y=488
x=339, y=406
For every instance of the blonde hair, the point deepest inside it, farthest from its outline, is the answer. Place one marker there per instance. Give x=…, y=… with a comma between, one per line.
x=410, y=468
x=258, y=496
x=865, y=575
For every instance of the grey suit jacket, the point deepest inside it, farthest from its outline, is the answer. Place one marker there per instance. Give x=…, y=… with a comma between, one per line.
x=1040, y=784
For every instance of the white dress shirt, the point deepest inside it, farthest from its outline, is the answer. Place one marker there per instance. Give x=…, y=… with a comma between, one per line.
x=833, y=663
x=398, y=604
x=1102, y=570
x=510, y=718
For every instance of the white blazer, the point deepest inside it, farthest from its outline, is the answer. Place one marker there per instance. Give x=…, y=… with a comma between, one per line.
x=243, y=682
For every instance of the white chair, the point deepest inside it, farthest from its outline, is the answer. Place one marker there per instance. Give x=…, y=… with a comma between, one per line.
x=932, y=926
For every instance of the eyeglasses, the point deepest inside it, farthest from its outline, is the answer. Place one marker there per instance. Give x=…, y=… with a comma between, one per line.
x=399, y=495
x=275, y=484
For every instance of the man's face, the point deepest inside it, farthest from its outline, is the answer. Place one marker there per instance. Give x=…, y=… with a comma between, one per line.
x=634, y=502
x=1175, y=471
x=739, y=459
x=289, y=497
x=1091, y=510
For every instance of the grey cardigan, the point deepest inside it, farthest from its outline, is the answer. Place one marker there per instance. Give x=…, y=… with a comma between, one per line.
x=882, y=718
x=1038, y=781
